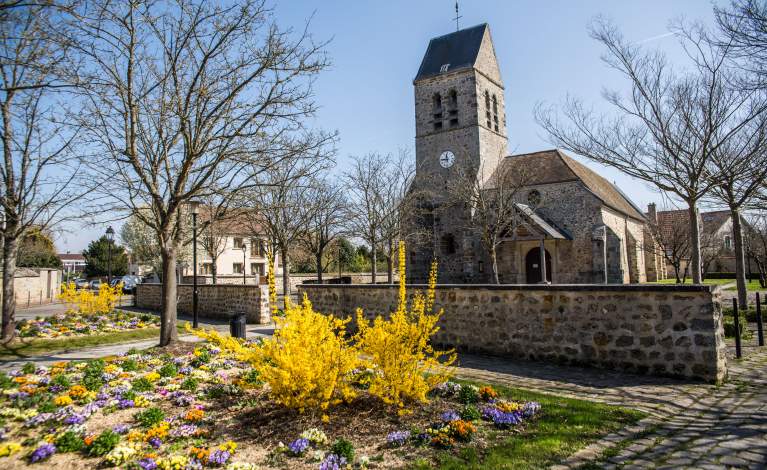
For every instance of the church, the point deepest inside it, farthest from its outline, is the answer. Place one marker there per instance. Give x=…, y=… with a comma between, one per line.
x=585, y=230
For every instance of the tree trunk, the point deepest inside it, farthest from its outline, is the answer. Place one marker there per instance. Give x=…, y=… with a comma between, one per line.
x=285, y=277
x=168, y=331
x=494, y=264
x=214, y=270
x=319, y=265
x=10, y=249
x=374, y=260
x=694, y=243
x=740, y=259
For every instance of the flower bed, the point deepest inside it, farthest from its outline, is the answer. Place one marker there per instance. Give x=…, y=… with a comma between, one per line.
x=77, y=324
x=203, y=409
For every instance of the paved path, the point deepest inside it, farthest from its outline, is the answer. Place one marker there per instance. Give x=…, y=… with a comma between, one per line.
x=689, y=425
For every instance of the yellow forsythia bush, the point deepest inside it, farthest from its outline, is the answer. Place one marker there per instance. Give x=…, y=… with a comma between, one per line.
x=308, y=361
x=87, y=302
x=399, y=349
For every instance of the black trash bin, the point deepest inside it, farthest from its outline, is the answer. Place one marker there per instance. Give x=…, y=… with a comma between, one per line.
x=237, y=326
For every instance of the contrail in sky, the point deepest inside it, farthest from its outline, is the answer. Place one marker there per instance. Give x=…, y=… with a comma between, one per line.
x=660, y=36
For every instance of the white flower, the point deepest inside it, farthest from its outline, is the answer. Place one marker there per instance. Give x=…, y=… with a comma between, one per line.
x=241, y=466
x=315, y=436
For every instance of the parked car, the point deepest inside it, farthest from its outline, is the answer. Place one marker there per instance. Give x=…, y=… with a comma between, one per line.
x=81, y=283
x=95, y=284
x=129, y=283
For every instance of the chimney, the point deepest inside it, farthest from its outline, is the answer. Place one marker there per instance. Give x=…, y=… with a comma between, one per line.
x=652, y=213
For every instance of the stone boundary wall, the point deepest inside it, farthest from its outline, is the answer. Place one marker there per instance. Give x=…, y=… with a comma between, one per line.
x=658, y=330
x=221, y=301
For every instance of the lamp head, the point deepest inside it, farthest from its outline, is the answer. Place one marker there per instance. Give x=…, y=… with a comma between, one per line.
x=110, y=233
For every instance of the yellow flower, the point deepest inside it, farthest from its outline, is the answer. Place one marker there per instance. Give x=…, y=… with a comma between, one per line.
x=228, y=446
x=194, y=415
x=135, y=435
x=62, y=400
x=141, y=401
x=159, y=431
x=9, y=448
x=152, y=376
x=77, y=391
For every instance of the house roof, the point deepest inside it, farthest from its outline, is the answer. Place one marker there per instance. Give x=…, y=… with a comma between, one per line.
x=71, y=257
x=554, y=166
x=713, y=221
x=710, y=222
x=459, y=50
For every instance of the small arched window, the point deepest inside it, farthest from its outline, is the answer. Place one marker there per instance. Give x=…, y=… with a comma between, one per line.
x=487, y=110
x=534, y=198
x=495, y=113
x=437, y=100
x=453, y=99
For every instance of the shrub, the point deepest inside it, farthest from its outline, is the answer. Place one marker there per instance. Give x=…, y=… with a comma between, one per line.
x=149, y=417
x=105, y=442
x=29, y=368
x=168, y=370
x=468, y=394
x=141, y=384
x=307, y=363
x=87, y=302
x=343, y=448
x=5, y=381
x=70, y=441
x=400, y=348
x=470, y=413
x=61, y=380
x=129, y=365
x=190, y=384
x=46, y=407
x=92, y=374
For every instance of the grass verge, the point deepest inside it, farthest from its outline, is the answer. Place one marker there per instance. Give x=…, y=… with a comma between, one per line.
x=564, y=426
x=26, y=347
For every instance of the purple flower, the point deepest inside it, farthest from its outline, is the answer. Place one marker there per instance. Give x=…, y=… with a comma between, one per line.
x=530, y=409
x=19, y=396
x=91, y=408
x=449, y=416
x=397, y=438
x=185, y=430
x=122, y=404
x=121, y=428
x=505, y=420
x=447, y=389
x=147, y=464
x=39, y=419
x=186, y=370
x=155, y=442
x=75, y=418
x=333, y=462
x=218, y=458
x=298, y=446
x=42, y=452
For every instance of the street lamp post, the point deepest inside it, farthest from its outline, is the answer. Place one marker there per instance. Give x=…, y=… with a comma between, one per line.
x=194, y=205
x=110, y=237
x=244, y=249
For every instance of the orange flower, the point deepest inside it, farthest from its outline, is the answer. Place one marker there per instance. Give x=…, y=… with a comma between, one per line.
x=462, y=430
x=194, y=415
x=77, y=391
x=487, y=393
x=89, y=439
x=200, y=453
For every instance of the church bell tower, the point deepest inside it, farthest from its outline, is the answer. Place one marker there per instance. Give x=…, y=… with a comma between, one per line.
x=460, y=130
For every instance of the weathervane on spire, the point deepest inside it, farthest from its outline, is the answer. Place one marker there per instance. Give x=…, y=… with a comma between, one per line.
x=457, y=16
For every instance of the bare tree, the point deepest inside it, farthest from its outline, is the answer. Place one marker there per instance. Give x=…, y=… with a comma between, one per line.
x=185, y=99
x=667, y=129
x=284, y=205
x=755, y=239
x=367, y=187
x=743, y=24
x=325, y=221
x=398, y=200
x=672, y=241
x=495, y=211
x=742, y=166
x=39, y=166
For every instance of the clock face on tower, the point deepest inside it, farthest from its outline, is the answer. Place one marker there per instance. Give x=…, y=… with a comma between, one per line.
x=446, y=159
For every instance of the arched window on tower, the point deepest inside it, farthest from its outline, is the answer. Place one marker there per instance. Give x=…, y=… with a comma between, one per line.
x=487, y=110
x=447, y=244
x=453, y=108
x=437, y=111
x=495, y=113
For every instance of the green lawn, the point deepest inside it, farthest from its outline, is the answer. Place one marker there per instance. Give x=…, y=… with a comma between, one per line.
x=25, y=347
x=563, y=427
x=752, y=285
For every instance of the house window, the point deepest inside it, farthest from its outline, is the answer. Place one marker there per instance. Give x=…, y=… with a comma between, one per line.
x=481, y=267
x=237, y=268
x=238, y=243
x=207, y=268
x=447, y=244
x=454, y=122
x=257, y=268
x=727, y=242
x=255, y=247
x=438, y=125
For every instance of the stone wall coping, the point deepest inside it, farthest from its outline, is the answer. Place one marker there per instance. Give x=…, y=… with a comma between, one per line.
x=250, y=286
x=534, y=287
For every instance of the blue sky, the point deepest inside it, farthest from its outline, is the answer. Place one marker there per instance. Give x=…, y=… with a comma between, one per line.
x=543, y=49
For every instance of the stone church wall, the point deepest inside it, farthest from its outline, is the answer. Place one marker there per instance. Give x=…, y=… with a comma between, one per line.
x=660, y=330
x=625, y=248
